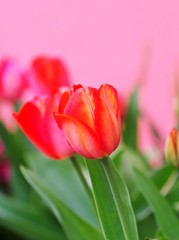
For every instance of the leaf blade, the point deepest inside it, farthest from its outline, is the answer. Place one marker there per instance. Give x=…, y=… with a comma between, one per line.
x=114, y=191
x=170, y=225
x=27, y=222
x=74, y=226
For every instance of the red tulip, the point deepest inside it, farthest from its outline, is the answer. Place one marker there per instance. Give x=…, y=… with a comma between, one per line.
x=36, y=120
x=47, y=75
x=172, y=147
x=90, y=120
x=12, y=81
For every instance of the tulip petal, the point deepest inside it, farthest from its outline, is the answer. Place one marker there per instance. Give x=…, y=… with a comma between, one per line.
x=173, y=136
x=63, y=101
x=50, y=72
x=107, y=120
x=80, y=106
x=41, y=130
x=28, y=119
x=46, y=75
x=112, y=98
x=81, y=138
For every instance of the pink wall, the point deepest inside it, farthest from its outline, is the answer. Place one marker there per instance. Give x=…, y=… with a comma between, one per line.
x=101, y=41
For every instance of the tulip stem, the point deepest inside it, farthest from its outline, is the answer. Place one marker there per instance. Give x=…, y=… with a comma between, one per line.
x=77, y=166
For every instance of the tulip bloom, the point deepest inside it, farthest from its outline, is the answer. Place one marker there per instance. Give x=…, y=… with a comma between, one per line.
x=36, y=120
x=172, y=147
x=12, y=81
x=90, y=120
x=46, y=75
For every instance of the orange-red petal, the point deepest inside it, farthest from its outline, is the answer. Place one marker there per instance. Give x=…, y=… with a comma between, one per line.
x=63, y=100
x=42, y=130
x=79, y=106
x=50, y=73
x=80, y=137
x=107, y=120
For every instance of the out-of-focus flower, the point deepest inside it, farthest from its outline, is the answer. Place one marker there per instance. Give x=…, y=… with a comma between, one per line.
x=47, y=75
x=12, y=81
x=5, y=171
x=5, y=166
x=90, y=120
x=172, y=147
x=12, y=87
x=36, y=120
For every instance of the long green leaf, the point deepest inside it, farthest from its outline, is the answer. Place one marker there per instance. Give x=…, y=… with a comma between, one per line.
x=66, y=185
x=27, y=222
x=165, y=217
x=74, y=226
x=112, y=201
x=160, y=177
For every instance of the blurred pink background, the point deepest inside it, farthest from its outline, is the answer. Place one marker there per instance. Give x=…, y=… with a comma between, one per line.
x=101, y=41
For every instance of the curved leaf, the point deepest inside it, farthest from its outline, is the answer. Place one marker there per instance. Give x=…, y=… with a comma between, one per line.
x=112, y=201
x=74, y=226
x=27, y=222
x=165, y=217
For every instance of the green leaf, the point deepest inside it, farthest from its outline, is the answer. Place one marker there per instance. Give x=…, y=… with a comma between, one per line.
x=161, y=175
x=147, y=227
x=27, y=221
x=131, y=123
x=16, y=155
x=132, y=156
x=173, y=196
x=112, y=201
x=162, y=178
x=66, y=185
x=74, y=226
x=165, y=217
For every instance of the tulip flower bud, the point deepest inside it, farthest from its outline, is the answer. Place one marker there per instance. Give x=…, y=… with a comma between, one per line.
x=172, y=148
x=90, y=120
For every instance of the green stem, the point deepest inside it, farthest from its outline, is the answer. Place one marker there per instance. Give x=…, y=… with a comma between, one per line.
x=82, y=178
x=122, y=198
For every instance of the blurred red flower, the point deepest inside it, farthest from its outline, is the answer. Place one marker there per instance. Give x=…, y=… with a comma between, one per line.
x=46, y=75
x=36, y=120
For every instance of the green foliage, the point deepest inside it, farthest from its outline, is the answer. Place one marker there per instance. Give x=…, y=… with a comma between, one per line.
x=165, y=217
x=49, y=201
x=15, y=152
x=74, y=226
x=111, y=195
x=130, y=133
x=28, y=221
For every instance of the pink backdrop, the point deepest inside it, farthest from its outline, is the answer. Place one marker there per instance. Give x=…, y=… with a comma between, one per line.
x=100, y=41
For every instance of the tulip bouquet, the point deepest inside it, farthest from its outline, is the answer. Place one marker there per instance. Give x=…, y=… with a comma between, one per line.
x=71, y=167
